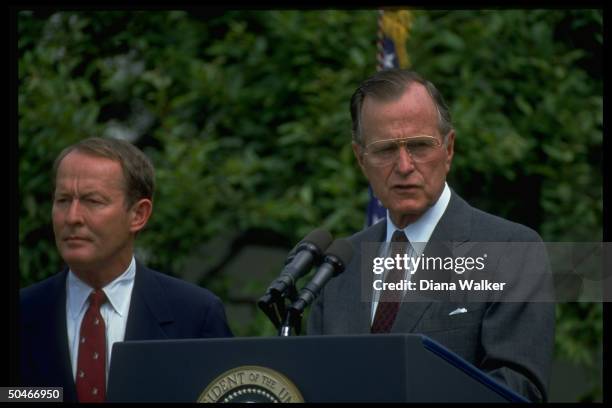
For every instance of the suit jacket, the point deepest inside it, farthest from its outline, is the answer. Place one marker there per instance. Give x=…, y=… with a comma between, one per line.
x=162, y=307
x=511, y=341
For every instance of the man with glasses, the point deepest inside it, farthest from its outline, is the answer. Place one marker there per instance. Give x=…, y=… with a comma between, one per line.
x=404, y=140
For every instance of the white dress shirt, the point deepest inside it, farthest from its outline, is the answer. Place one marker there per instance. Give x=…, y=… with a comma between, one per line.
x=114, y=311
x=418, y=233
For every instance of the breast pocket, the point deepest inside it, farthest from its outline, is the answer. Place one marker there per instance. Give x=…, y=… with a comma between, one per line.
x=439, y=318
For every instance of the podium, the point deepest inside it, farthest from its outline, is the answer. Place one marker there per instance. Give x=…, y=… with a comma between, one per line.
x=352, y=368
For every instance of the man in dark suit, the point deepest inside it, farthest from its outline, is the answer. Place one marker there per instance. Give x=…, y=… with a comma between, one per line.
x=103, y=197
x=403, y=140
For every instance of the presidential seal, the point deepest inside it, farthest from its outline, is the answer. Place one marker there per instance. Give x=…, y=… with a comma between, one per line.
x=251, y=384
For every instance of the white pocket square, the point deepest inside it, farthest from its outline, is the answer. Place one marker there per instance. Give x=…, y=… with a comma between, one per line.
x=457, y=311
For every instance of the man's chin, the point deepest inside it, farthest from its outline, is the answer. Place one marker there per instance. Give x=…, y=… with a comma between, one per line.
x=407, y=211
x=76, y=261
x=409, y=207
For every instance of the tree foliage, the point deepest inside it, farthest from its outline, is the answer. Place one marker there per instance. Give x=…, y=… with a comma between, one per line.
x=245, y=115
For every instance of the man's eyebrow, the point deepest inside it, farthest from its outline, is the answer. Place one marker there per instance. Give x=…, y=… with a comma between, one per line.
x=61, y=191
x=85, y=194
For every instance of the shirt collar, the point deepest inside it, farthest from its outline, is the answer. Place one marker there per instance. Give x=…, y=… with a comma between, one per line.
x=117, y=291
x=420, y=231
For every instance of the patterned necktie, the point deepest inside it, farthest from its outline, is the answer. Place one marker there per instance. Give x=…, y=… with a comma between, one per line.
x=91, y=363
x=389, y=301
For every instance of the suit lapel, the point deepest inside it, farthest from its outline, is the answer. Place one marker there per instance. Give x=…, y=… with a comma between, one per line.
x=454, y=225
x=62, y=339
x=150, y=315
x=49, y=334
x=362, y=284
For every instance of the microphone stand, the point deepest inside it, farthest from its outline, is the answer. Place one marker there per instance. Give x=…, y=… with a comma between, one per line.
x=338, y=254
x=292, y=324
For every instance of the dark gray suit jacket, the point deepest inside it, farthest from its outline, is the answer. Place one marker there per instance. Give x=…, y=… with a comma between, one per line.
x=511, y=341
x=162, y=307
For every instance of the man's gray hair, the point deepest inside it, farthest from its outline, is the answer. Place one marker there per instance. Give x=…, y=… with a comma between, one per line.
x=390, y=84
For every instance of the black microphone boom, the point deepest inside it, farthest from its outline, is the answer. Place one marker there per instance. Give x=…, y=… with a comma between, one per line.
x=306, y=253
x=336, y=258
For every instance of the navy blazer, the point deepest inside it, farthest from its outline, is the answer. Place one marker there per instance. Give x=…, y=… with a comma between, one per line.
x=162, y=307
x=511, y=341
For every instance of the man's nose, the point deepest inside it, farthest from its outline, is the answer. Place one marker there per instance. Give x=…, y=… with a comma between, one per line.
x=74, y=215
x=405, y=163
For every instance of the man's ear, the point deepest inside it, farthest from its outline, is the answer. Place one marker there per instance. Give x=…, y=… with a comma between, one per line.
x=140, y=213
x=450, y=149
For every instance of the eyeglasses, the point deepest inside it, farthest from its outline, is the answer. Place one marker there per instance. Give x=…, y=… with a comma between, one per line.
x=421, y=148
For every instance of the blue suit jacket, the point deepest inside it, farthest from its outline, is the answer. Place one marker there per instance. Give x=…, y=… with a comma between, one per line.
x=162, y=307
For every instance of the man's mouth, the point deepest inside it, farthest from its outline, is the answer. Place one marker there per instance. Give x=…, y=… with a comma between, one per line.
x=74, y=238
x=405, y=187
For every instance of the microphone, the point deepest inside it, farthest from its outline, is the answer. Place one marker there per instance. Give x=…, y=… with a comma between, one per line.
x=336, y=258
x=307, y=252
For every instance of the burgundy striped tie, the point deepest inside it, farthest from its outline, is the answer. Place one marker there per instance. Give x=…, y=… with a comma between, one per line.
x=389, y=301
x=91, y=363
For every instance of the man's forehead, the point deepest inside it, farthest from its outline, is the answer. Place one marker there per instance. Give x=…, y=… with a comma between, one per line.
x=87, y=186
x=88, y=171
x=86, y=165
x=414, y=110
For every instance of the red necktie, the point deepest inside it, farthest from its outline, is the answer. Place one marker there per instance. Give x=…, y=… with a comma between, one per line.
x=91, y=363
x=389, y=301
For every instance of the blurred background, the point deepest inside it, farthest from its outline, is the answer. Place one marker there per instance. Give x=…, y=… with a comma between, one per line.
x=245, y=115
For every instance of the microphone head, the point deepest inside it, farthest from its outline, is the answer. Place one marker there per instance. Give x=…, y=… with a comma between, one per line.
x=316, y=241
x=339, y=253
x=320, y=238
